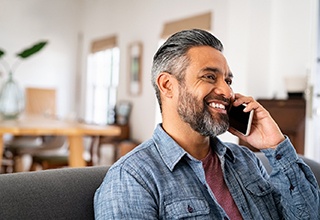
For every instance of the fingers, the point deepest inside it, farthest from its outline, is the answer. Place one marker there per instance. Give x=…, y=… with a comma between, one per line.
x=249, y=101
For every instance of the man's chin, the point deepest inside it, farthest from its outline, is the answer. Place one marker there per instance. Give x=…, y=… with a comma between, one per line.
x=214, y=130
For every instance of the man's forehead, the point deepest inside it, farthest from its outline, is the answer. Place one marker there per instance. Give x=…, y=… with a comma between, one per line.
x=209, y=59
x=206, y=54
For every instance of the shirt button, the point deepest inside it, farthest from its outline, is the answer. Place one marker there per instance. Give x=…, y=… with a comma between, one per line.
x=190, y=209
x=291, y=187
x=278, y=156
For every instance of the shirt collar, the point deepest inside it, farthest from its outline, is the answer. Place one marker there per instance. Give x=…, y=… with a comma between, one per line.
x=222, y=149
x=171, y=152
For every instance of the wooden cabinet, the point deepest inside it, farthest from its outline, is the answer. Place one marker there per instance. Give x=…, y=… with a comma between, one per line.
x=290, y=115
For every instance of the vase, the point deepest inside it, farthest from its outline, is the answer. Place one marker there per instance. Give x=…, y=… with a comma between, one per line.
x=11, y=99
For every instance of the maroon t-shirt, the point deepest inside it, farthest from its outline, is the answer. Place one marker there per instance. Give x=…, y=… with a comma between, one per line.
x=214, y=177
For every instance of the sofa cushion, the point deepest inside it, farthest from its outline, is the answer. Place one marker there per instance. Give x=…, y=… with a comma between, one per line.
x=51, y=194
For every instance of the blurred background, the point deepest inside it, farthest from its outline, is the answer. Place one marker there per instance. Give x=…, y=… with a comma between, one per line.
x=99, y=53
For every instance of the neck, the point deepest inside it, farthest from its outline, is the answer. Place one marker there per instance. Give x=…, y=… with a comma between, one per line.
x=191, y=141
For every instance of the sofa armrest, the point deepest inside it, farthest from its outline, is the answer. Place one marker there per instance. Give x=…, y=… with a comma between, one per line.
x=51, y=194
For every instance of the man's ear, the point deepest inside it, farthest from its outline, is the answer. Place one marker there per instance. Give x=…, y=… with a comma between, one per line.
x=165, y=84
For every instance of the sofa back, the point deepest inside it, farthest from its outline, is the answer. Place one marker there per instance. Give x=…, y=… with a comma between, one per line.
x=51, y=194
x=63, y=193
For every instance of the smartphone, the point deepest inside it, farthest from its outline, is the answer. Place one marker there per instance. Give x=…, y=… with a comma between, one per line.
x=240, y=120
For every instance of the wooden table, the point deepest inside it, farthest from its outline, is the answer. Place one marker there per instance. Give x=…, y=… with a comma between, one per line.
x=38, y=125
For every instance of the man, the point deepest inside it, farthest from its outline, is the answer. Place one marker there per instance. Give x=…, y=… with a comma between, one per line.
x=185, y=171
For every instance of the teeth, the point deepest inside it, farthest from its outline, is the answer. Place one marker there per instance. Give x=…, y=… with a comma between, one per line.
x=217, y=105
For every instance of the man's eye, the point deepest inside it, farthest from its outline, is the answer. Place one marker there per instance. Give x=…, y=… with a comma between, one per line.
x=229, y=82
x=210, y=77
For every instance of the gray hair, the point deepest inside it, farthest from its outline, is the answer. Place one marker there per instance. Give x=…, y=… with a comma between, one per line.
x=172, y=57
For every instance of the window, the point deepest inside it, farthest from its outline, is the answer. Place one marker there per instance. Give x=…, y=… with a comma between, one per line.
x=102, y=81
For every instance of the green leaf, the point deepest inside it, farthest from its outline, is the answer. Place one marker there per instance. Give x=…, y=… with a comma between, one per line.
x=2, y=53
x=32, y=50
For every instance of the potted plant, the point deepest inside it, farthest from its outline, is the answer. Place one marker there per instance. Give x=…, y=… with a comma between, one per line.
x=11, y=95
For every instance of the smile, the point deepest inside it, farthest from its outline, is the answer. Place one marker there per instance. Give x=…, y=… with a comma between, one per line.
x=217, y=105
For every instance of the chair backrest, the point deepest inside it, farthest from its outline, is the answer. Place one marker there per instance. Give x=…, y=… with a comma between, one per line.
x=40, y=101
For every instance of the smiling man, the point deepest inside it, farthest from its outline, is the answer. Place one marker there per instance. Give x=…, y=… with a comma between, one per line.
x=185, y=171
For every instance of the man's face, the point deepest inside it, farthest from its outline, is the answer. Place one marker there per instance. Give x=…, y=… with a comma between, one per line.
x=205, y=95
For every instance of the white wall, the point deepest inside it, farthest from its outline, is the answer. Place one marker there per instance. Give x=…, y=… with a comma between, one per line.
x=264, y=41
x=22, y=23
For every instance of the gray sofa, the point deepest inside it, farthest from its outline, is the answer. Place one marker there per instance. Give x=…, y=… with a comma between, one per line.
x=51, y=194
x=61, y=193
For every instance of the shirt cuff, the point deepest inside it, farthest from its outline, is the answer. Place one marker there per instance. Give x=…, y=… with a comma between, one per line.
x=283, y=156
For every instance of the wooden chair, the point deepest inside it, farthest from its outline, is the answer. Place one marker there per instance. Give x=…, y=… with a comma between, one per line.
x=121, y=144
x=39, y=101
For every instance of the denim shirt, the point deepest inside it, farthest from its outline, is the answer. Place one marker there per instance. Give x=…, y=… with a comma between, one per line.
x=160, y=180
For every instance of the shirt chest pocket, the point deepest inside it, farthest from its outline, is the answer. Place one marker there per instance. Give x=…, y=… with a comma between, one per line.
x=258, y=186
x=190, y=208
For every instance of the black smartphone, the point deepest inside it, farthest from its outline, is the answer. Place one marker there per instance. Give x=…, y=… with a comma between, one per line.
x=240, y=120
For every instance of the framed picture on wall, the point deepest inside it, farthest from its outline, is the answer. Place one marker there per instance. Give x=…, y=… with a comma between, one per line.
x=135, y=62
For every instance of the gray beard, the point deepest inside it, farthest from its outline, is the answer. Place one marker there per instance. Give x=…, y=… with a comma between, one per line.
x=198, y=116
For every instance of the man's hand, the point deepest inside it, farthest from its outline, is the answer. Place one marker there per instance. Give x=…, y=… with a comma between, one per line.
x=264, y=133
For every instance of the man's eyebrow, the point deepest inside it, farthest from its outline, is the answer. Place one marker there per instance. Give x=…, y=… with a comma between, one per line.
x=211, y=69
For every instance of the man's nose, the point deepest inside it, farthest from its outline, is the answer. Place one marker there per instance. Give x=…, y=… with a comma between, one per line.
x=224, y=89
